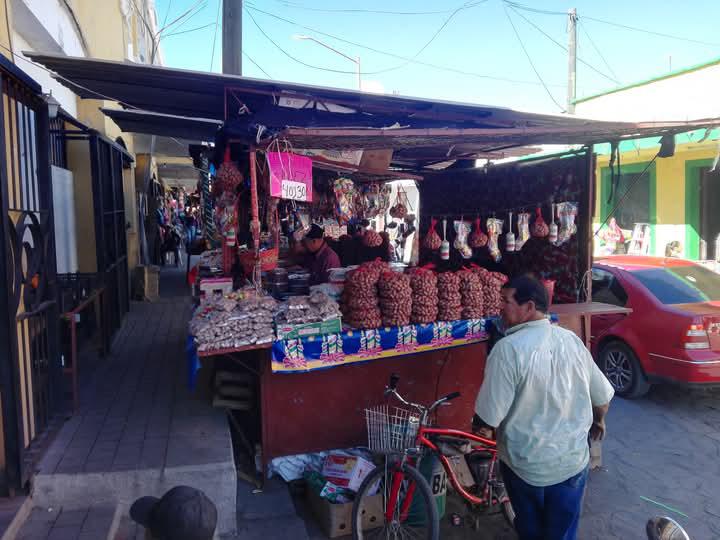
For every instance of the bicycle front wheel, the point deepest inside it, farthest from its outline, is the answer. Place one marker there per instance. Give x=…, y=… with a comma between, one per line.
x=410, y=513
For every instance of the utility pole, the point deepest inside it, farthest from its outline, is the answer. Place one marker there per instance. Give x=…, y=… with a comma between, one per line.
x=232, y=36
x=572, y=60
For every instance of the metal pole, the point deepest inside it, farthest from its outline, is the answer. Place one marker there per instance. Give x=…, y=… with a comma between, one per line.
x=232, y=37
x=572, y=60
x=359, y=76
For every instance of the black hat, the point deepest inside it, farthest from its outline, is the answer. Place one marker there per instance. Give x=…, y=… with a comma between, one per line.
x=183, y=513
x=315, y=232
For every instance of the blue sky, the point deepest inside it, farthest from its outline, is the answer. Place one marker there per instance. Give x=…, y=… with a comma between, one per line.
x=478, y=39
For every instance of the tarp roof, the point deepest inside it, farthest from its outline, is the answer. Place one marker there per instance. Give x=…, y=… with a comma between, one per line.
x=421, y=131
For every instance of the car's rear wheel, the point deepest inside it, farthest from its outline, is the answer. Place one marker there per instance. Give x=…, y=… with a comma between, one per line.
x=622, y=368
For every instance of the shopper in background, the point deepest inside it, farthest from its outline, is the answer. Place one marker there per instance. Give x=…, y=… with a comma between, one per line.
x=544, y=394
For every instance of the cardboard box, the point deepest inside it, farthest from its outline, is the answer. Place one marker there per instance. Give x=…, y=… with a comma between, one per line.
x=346, y=471
x=296, y=331
x=336, y=519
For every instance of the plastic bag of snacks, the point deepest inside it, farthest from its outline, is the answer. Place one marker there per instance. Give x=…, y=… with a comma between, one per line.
x=566, y=215
x=492, y=283
x=371, y=238
x=472, y=295
x=423, y=283
x=432, y=239
x=462, y=229
x=360, y=306
x=395, y=298
x=523, y=230
x=344, y=190
x=494, y=227
x=539, y=227
x=477, y=238
x=449, y=298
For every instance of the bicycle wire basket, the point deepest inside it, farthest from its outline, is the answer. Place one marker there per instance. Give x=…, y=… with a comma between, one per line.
x=391, y=429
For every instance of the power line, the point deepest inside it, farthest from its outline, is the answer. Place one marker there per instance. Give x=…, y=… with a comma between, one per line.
x=527, y=54
x=400, y=57
x=373, y=11
x=190, y=30
x=563, y=47
x=611, y=23
x=256, y=64
x=652, y=32
x=167, y=12
x=217, y=25
x=597, y=49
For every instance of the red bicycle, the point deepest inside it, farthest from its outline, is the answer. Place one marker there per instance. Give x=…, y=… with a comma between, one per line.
x=405, y=437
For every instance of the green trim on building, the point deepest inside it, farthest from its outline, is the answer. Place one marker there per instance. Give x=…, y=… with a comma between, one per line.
x=668, y=75
x=692, y=206
x=633, y=168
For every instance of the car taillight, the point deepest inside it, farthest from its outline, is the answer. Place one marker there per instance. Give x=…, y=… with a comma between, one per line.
x=696, y=337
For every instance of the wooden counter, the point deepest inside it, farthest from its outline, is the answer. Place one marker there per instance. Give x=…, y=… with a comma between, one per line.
x=578, y=317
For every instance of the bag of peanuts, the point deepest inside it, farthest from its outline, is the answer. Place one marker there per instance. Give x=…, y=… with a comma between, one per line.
x=432, y=239
x=360, y=302
x=472, y=295
x=449, y=298
x=395, y=298
x=423, y=283
x=492, y=283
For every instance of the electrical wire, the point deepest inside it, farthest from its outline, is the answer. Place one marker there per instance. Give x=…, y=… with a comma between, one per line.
x=597, y=49
x=393, y=68
x=534, y=10
x=167, y=12
x=217, y=25
x=393, y=55
x=189, y=30
x=652, y=32
x=563, y=47
x=292, y=5
x=532, y=65
x=256, y=64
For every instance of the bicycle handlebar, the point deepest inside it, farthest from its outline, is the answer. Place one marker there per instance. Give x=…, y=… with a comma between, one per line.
x=391, y=389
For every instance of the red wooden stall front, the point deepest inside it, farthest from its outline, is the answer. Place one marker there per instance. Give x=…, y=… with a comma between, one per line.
x=323, y=410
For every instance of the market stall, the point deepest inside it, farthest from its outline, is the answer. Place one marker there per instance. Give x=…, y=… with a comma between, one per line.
x=319, y=355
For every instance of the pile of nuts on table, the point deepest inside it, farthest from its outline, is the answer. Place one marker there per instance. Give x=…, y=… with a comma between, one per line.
x=360, y=305
x=316, y=307
x=233, y=321
x=449, y=298
x=423, y=283
x=472, y=294
x=395, y=298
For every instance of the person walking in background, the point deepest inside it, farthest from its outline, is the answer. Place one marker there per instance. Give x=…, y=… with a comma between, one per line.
x=544, y=395
x=190, y=226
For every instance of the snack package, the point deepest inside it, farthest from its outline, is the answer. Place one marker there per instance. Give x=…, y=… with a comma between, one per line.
x=345, y=194
x=567, y=212
x=494, y=228
x=462, y=229
x=477, y=238
x=445, y=245
x=553, y=234
x=539, y=227
x=510, y=237
x=523, y=230
x=432, y=239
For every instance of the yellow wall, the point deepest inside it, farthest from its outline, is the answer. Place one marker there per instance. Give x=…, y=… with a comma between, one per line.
x=78, y=155
x=5, y=17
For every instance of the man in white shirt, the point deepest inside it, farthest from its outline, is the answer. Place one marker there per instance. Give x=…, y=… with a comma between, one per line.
x=544, y=394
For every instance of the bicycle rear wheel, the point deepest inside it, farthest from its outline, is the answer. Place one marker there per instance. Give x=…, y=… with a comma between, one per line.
x=370, y=520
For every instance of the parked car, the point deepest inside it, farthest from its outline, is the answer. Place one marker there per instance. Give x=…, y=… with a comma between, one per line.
x=673, y=332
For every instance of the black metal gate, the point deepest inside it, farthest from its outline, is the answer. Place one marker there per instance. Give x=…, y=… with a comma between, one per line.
x=30, y=368
x=107, y=159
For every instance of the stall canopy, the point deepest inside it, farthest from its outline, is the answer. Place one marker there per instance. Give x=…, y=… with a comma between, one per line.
x=421, y=132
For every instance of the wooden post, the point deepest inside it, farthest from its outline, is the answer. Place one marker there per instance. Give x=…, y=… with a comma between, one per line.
x=254, y=214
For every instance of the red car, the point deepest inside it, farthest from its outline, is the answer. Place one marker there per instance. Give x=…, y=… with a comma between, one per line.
x=673, y=332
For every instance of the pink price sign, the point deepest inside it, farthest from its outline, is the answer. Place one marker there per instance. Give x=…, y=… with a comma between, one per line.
x=290, y=176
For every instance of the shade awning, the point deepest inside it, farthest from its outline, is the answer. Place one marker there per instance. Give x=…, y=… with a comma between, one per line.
x=165, y=125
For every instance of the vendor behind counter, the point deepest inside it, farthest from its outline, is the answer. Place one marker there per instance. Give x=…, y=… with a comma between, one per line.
x=318, y=256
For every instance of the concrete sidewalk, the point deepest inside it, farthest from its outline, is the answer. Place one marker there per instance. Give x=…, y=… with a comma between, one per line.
x=139, y=431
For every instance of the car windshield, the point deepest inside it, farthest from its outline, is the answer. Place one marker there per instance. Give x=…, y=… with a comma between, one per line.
x=681, y=284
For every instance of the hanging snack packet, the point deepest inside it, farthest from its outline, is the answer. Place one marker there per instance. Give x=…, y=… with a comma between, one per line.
x=539, y=227
x=523, y=230
x=494, y=227
x=566, y=216
x=477, y=238
x=432, y=239
x=345, y=200
x=462, y=229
